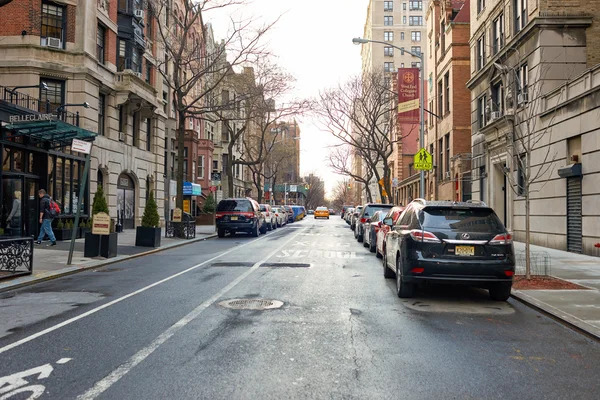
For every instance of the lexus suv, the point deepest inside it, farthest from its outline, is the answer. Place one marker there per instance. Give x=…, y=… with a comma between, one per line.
x=239, y=215
x=449, y=242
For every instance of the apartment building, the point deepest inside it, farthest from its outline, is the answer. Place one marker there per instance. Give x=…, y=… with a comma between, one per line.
x=534, y=124
x=93, y=61
x=282, y=165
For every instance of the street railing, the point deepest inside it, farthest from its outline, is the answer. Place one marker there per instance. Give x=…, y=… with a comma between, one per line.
x=16, y=255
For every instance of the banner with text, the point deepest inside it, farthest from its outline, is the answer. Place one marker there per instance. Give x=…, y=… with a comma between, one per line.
x=408, y=95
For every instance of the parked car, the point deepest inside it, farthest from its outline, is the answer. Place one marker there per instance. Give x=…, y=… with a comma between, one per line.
x=239, y=215
x=394, y=213
x=331, y=211
x=365, y=216
x=449, y=242
x=371, y=228
x=290, y=214
x=280, y=216
x=299, y=212
x=322, y=212
x=267, y=211
x=348, y=214
x=311, y=212
x=355, y=213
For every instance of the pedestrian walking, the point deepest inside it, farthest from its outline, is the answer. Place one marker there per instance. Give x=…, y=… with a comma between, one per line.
x=14, y=218
x=47, y=214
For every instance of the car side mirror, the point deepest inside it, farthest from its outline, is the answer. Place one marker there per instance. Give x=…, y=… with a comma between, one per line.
x=387, y=221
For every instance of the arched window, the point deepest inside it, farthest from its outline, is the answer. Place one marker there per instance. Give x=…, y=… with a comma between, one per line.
x=100, y=178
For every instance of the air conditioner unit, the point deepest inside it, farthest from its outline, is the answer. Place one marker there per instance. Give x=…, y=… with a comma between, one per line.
x=139, y=14
x=522, y=98
x=495, y=115
x=121, y=136
x=52, y=42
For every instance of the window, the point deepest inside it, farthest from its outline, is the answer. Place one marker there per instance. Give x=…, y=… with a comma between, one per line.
x=123, y=5
x=150, y=23
x=440, y=160
x=388, y=51
x=215, y=165
x=404, y=19
x=388, y=67
x=148, y=71
x=388, y=20
x=122, y=119
x=482, y=176
x=54, y=96
x=416, y=49
x=481, y=103
x=401, y=35
x=148, y=134
x=520, y=7
x=498, y=33
x=53, y=23
x=498, y=99
x=522, y=85
x=404, y=6
x=388, y=36
x=415, y=65
x=416, y=5
x=480, y=52
x=441, y=98
x=415, y=36
x=388, y=6
x=521, y=173
x=201, y=167
x=136, y=129
x=431, y=117
x=136, y=60
x=447, y=160
x=443, y=35
x=480, y=5
x=101, y=113
x=401, y=65
x=447, y=90
x=100, y=43
x=415, y=21
x=122, y=63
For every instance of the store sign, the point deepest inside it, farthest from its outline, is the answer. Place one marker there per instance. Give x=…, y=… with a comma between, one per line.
x=177, y=215
x=81, y=146
x=101, y=224
x=191, y=189
x=408, y=95
x=15, y=119
x=186, y=206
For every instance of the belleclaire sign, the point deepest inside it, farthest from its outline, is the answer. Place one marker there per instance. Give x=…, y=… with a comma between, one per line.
x=15, y=119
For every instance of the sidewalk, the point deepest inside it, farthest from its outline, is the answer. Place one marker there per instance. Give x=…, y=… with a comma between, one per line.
x=580, y=308
x=51, y=262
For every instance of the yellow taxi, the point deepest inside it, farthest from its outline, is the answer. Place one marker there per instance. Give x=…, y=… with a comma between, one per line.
x=322, y=212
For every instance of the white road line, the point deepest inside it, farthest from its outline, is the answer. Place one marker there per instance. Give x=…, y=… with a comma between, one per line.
x=120, y=299
x=112, y=378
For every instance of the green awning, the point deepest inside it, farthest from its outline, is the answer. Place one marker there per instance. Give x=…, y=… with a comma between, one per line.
x=55, y=133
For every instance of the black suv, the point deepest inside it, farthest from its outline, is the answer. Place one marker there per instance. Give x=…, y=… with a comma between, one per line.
x=449, y=242
x=239, y=215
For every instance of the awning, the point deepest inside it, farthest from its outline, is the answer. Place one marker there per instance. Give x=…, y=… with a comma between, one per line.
x=56, y=133
x=191, y=189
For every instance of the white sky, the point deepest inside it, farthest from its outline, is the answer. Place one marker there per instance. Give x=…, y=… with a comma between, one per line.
x=313, y=42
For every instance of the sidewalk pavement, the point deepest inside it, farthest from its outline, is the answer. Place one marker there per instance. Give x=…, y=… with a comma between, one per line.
x=51, y=262
x=579, y=308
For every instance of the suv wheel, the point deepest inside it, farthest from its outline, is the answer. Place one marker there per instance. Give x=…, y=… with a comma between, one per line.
x=360, y=236
x=500, y=291
x=221, y=232
x=403, y=289
x=270, y=226
x=255, y=231
x=387, y=273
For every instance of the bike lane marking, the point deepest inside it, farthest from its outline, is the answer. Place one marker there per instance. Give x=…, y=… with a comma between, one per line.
x=112, y=378
x=120, y=299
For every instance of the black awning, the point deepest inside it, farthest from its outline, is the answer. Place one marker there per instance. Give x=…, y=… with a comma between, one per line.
x=570, y=171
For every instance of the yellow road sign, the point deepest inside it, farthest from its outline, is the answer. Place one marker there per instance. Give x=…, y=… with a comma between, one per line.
x=423, y=160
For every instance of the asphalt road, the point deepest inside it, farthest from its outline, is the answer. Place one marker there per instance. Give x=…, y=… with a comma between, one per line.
x=154, y=328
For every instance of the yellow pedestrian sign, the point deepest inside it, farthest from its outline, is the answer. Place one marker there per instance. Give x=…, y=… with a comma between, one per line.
x=423, y=161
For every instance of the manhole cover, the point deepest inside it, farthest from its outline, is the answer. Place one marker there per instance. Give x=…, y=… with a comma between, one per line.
x=285, y=265
x=251, y=304
x=232, y=264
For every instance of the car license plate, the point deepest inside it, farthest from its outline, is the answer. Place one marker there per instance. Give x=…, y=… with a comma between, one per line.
x=234, y=218
x=465, y=251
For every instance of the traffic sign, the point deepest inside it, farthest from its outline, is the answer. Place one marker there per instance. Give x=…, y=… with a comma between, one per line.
x=423, y=161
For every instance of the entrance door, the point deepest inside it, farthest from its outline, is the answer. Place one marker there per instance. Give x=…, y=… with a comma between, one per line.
x=12, y=206
x=574, y=231
x=126, y=201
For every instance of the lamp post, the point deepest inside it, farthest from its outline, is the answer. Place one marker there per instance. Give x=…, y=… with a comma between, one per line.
x=421, y=95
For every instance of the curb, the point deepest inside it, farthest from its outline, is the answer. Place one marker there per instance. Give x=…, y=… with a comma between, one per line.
x=561, y=317
x=73, y=269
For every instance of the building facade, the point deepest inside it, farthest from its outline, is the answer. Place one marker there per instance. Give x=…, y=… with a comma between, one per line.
x=533, y=141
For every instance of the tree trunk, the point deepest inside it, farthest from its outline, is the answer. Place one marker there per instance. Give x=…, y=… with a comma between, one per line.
x=527, y=235
x=180, y=159
x=230, y=168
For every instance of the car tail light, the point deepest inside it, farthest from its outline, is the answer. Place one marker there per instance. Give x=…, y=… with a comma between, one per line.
x=362, y=220
x=248, y=214
x=379, y=224
x=509, y=273
x=276, y=214
x=268, y=214
x=417, y=270
x=505, y=238
x=424, y=236
x=218, y=215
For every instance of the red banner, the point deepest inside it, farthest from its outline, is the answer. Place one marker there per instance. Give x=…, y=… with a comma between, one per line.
x=408, y=95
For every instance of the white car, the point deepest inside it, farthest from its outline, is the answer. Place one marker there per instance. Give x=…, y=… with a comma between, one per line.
x=270, y=220
x=280, y=216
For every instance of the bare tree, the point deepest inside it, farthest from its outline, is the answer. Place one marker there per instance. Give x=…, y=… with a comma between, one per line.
x=342, y=194
x=315, y=195
x=340, y=160
x=362, y=114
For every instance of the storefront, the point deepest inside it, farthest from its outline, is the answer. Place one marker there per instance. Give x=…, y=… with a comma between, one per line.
x=35, y=154
x=191, y=191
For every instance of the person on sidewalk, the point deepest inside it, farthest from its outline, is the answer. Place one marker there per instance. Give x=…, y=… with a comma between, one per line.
x=45, y=219
x=14, y=218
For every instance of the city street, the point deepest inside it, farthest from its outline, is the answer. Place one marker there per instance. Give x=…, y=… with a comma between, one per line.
x=155, y=327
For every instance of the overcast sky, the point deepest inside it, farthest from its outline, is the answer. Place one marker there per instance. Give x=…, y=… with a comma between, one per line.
x=313, y=42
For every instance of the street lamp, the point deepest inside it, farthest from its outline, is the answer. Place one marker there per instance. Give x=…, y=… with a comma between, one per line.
x=42, y=86
x=421, y=95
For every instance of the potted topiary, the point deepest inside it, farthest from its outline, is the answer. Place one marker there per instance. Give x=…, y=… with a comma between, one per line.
x=100, y=245
x=62, y=231
x=83, y=228
x=149, y=234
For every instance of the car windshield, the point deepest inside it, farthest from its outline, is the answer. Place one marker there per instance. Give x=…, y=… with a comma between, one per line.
x=235, y=205
x=461, y=219
x=321, y=209
x=263, y=207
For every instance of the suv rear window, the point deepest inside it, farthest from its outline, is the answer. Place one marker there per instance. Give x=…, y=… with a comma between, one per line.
x=370, y=210
x=461, y=220
x=235, y=205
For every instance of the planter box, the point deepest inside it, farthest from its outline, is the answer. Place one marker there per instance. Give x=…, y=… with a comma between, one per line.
x=100, y=245
x=83, y=231
x=205, y=219
x=63, y=234
x=147, y=237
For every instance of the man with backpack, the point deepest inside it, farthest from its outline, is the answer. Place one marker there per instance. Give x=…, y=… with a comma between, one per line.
x=48, y=211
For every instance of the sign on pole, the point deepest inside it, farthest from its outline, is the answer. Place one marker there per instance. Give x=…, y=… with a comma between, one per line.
x=81, y=146
x=423, y=161
x=408, y=95
x=101, y=224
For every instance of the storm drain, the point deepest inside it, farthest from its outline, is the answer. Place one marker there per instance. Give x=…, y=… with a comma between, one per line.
x=251, y=304
x=284, y=265
x=232, y=264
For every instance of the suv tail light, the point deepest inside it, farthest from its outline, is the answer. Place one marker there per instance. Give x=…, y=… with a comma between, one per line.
x=363, y=220
x=424, y=236
x=248, y=214
x=268, y=214
x=505, y=238
x=218, y=215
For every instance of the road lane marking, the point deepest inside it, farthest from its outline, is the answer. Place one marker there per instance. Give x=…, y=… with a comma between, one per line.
x=120, y=299
x=344, y=255
x=104, y=384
